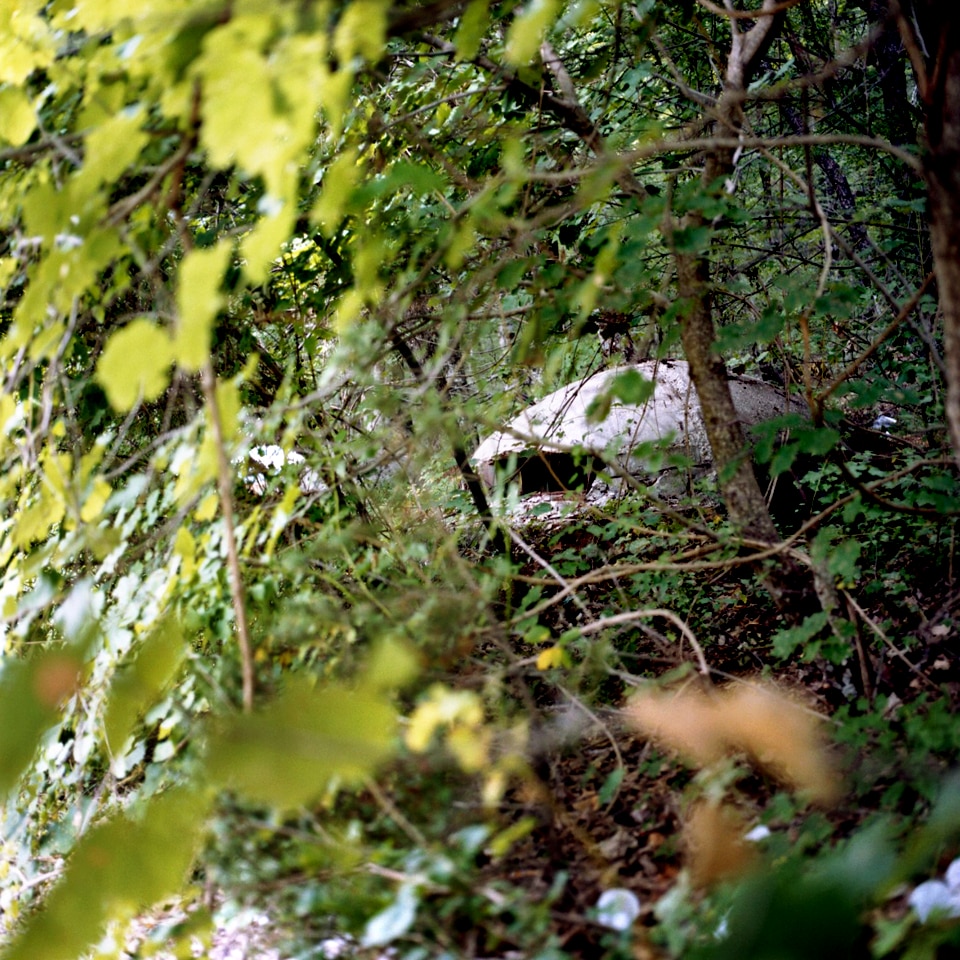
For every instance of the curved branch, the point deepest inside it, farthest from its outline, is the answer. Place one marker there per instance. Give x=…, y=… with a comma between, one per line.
x=631, y=615
x=766, y=11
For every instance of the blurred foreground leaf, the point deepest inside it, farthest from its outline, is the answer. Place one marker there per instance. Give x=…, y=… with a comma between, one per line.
x=139, y=684
x=30, y=693
x=287, y=753
x=118, y=868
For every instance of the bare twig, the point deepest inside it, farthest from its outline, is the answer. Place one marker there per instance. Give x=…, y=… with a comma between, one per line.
x=595, y=719
x=897, y=652
x=731, y=14
x=394, y=813
x=530, y=552
x=225, y=486
x=901, y=316
x=629, y=616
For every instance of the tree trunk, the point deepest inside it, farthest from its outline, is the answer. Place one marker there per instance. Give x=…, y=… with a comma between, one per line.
x=745, y=503
x=744, y=500
x=936, y=37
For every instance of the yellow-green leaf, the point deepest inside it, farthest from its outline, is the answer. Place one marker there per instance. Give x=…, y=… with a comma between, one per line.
x=260, y=248
x=339, y=180
x=442, y=707
x=266, y=129
x=361, y=31
x=96, y=501
x=135, y=364
x=286, y=754
x=140, y=682
x=185, y=547
x=17, y=118
x=528, y=30
x=117, y=868
x=26, y=42
x=198, y=300
x=207, y=507
x=393, y=663
x=112, y=147
x=554, y=656
x=228, y=406
x=472, y=27
x=238, y=129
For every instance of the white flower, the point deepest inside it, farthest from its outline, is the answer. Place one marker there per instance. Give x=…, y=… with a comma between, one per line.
x=267, y=460
x=952, y=876
x=934, y=895
x=617, y=908
x=883, y=423
x=758, y=833
x=937, y=896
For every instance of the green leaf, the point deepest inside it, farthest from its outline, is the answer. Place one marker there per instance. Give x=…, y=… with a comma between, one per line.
x=117, y=869
x=842, y=560
x=838, y=553
x=691, y=240
x=31, y=693
x=287, y=753
x=528, y=30
x=599, y=408
x=630, y=387
x=786, y=641
x=783, y=458
x=818, y=441
x=140, y=682
x=510, y=275
x=420, y=178
x=135, y=364
x=611, y=786
x=394, y=921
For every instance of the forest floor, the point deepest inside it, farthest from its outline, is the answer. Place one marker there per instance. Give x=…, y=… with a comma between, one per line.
x=606, y=809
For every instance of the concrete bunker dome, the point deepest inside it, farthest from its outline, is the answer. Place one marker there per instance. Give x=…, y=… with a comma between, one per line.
x=555, y=445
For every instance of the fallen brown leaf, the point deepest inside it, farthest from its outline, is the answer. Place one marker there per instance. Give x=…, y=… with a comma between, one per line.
x=761, y=721
x=713, y=835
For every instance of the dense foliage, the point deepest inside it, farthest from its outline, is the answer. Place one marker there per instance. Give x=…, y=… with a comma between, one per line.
x=270, y=272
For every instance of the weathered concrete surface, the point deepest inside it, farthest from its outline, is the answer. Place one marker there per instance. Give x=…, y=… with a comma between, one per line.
x=670, y=420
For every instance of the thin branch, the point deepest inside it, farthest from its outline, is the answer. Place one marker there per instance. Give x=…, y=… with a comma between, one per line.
x=225, y=486
x=875, y=627
x=762, y=551
x=530, y=552
x=901, y=316
x=122, y=208
x=592, y=716
x=604, y=622
x=917, y=59
x=732, y=14
x=394, y=813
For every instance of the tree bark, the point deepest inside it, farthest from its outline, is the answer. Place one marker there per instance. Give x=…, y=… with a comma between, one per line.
x=746, y=506
x=933, y=32
x=839, y=186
